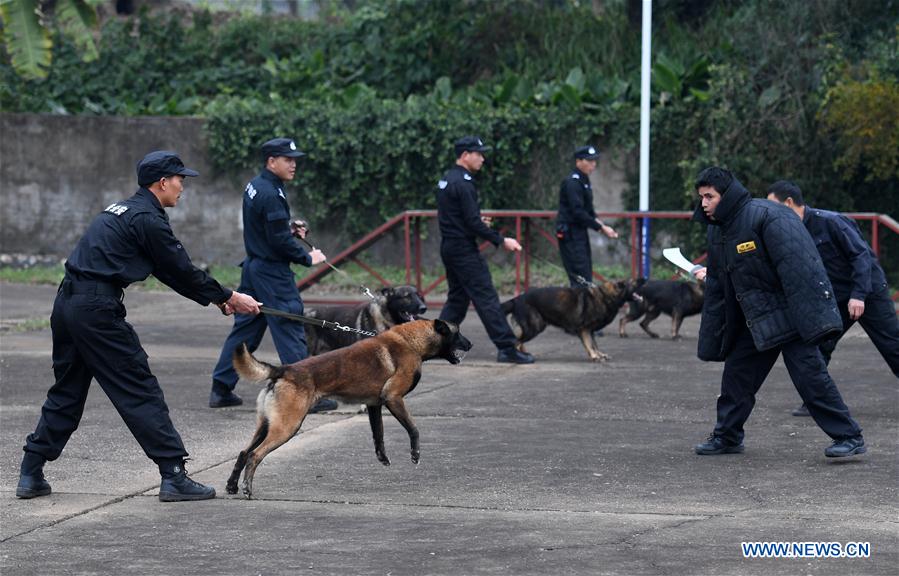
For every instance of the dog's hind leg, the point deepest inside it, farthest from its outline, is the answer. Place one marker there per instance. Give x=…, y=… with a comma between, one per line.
x=377, y=431
x=651, y=314
x=397, y=407
x=284, y=420
x=677, y=317
x=258, y=437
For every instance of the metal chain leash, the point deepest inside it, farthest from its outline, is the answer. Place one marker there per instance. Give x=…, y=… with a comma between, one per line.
x=314, y=321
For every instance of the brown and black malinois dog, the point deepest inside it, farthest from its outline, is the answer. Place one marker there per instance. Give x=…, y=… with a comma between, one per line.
x=378, y=371
x=392, y=305
x=674, y=298
x=578, y=310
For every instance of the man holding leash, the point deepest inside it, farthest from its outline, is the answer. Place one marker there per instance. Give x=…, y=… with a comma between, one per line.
x=266, y=273
x=766, y=294
x=859, y=283
x=467, y=275
x=576, y=216
x=127, y=242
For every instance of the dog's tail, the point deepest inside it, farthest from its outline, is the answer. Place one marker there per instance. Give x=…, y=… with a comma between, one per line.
x=250, y=368
x=514, y=311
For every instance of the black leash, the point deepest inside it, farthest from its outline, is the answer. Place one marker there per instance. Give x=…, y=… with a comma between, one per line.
x=313, y=321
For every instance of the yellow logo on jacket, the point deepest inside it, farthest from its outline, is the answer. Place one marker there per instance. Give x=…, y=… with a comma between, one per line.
x=745, y=247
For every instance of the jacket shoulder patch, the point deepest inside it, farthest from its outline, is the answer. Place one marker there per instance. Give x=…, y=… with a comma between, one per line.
x=117, y=209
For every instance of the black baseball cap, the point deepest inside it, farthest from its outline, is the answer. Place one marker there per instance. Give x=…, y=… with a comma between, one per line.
x=586, y=153
x=281, y=147
x=470, y=144
x=159, y=164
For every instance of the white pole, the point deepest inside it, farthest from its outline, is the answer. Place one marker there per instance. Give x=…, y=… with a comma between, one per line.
x=644, y=127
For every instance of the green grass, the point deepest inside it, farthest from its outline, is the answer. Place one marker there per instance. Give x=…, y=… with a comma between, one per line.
x=27, y=325
x=542, y=273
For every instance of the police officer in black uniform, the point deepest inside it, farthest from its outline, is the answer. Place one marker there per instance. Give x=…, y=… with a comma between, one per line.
x=576, y=216
x=467, y=275
x=859, y=284
x=266, y=274
x=126, y=243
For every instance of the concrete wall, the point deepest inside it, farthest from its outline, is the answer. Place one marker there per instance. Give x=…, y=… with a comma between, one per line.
x=58, y=172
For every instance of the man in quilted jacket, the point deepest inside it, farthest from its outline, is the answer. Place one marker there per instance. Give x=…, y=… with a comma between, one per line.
x=767, y=293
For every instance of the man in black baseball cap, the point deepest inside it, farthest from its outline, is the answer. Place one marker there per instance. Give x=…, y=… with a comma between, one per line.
x=576, y=216
x=125, y=243
x=467, y=276
x=266, y=273
x=160, y=164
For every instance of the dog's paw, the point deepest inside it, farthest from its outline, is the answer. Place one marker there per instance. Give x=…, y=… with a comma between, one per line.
x=248, y=492
x=415, y=457
x=621, y=335
x=382, y=458
x=601, y=358
x=231, y=488
x=653, y=335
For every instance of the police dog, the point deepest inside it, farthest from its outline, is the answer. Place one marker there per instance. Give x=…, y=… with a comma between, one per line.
x=377, y=371
x=579, y=310
x=674, y=298
x=391, y=306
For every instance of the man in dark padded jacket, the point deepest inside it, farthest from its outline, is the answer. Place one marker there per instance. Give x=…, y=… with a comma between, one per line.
x=125, y=243
x=766, y=293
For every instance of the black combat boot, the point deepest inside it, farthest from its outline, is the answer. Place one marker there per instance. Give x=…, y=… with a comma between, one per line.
x=176, y=486
x=31, y=477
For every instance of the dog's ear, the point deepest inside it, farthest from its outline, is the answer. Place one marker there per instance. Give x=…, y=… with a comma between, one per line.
x=442, y=328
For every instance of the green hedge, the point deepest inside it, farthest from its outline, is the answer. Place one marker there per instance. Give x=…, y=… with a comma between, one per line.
x=373, y=158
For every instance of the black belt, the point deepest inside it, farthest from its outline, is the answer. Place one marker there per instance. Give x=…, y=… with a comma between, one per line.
x=70, y=286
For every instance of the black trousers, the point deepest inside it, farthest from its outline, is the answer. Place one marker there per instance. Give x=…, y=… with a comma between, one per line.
x=91, y=339
x=273, y=283
x=469, y=281
x=746, y=368
x=574, y=249
x=880, y=323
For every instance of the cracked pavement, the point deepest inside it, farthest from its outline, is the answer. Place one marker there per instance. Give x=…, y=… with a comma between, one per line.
x=562, y=467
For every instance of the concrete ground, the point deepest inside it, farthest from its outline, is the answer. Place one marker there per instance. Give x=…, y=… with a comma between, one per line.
x=563, y=467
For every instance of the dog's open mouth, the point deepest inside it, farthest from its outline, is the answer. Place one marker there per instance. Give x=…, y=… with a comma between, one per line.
x=409, y=316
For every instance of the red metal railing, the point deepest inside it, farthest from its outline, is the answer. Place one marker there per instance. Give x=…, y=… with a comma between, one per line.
x=523, y=232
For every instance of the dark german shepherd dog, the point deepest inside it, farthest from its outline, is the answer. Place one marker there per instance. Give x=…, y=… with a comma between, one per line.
x=377, y=371
x=672, y=297
x=393, y=305
x=579, y=310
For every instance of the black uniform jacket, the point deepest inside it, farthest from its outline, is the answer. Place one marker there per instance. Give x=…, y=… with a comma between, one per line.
x=851, y=264
x=763, y=270
x=458, y=210
x=132, y=239
x=576, y=202
x=266, y=222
